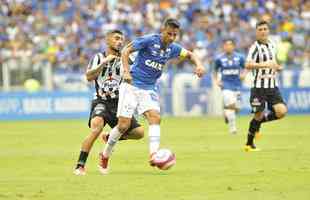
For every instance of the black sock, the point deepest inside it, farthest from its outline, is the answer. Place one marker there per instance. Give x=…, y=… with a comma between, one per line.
x=269, y=117
x=254, y=127
x=82, y=159
x=250, y=139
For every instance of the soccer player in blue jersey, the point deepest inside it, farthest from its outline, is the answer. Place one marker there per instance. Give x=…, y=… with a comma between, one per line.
x=228, y=73
x=138, y=90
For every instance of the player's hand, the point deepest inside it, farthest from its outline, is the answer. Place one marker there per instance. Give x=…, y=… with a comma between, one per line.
x=219, y=83
x=200, y=71
x=272, y=65
x=127, y=77
x=279, y=68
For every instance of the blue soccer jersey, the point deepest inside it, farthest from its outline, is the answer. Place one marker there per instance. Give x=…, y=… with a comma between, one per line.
x=230, y=67
x=151, y=58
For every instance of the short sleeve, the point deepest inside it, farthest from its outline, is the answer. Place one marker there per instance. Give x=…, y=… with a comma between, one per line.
x=141, y=42
x=178, y=51
x=95, y=61
x=252, y=54
x=217, y=65
x=242, y=62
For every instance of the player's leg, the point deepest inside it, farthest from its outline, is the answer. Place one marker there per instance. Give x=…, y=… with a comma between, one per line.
x=153, y=118
x=126, y=105
x=96, y=124
x=150, y=108
x=257, y=101
x=115, y=134
x=276, y=105
x=230, y=109
x=135, y=131
x=280, y=110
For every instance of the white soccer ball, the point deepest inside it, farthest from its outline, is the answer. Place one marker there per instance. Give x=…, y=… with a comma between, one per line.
x=164, y=159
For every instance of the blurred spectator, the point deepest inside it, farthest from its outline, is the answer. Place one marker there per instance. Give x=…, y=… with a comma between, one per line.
x=66, y=33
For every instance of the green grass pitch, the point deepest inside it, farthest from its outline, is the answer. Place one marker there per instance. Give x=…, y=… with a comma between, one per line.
x=37, y=159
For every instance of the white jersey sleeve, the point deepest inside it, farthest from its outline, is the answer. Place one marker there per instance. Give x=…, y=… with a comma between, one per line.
x=253, y=53
x=96, y=61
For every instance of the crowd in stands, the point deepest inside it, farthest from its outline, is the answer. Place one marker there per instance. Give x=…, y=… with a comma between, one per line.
x=66, y=33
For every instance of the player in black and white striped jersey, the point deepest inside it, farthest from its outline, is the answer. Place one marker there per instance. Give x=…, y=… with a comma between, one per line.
x=262, y=61
x=106, y=71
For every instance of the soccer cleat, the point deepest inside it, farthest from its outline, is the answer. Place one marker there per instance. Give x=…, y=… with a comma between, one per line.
x=226, y=120
x=151, y=162
x=233, y=132
x=80, y=171
x=251, y=148
x=103, y=164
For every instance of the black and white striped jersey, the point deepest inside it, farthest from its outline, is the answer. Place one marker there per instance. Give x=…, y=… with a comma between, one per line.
x=108, y=81
x=262, y=52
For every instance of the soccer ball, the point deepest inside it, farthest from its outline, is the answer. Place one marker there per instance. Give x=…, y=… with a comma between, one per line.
x=164, y=159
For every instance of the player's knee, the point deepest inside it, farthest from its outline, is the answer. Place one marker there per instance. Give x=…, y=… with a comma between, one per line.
x=281, y=112
x=258, y=116
x=96, y=125
x=123, y=124
x=139, y=132
x=153, y=117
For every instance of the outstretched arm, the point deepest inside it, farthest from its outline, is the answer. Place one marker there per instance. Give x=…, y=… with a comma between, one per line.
x=200, y=69
x=125, y=62
x=267, y=64
x=96, y=65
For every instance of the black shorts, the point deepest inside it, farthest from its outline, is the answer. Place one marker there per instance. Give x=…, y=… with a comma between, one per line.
x=107, y=110
x=262, y=96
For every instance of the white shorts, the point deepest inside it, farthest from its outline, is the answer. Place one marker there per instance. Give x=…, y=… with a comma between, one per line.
x=232, y=97
x=132, y=98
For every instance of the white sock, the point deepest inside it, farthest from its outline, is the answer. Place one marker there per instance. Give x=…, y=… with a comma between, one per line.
x=154, y=137
x=113, y=139
x=231, y=116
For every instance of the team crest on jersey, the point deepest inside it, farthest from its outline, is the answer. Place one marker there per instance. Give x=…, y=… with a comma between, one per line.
x=157, y=46
x=162, y=53
x=256, y=102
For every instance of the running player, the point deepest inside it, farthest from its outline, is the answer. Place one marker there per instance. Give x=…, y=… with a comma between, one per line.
x=138, y=90
x=228, y=73
x=105, y=70
x=261, y=60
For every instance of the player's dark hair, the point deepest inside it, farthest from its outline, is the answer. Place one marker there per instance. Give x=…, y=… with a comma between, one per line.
x=228, y=40
x=118, y=31
x=260, y=23
x=171, y=22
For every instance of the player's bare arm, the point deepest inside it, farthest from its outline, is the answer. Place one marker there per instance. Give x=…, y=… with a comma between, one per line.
x=92, y=74
x=125, y=62
x=200, y=69
x=268, y=64
x=243, y=74
x=217, y=80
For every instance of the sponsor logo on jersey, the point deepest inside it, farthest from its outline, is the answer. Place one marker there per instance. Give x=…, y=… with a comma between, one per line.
x=157, y=46
x=230, y=72
x=154, y=64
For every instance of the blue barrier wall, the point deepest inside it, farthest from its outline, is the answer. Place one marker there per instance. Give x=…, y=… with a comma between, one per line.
x=44, y=105
x=181, y=94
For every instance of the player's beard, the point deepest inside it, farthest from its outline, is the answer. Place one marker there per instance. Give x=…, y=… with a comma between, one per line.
x=116, y=50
